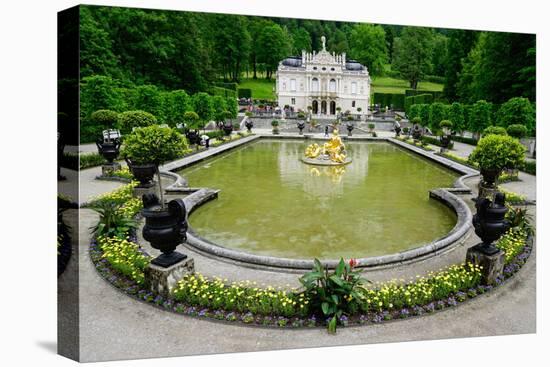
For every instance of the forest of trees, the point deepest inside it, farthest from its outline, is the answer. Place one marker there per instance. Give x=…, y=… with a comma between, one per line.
x=191, y=51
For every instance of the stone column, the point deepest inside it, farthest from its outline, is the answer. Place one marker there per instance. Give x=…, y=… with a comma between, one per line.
x=492, y=265
x=160, y=280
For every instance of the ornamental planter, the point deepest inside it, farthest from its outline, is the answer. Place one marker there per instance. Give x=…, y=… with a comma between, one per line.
x=416, y=133
x=350, y=128
x=227, y=128
x=490, y=176
x=397, y=132
x=490, y=223
x=109, y=149
x=165, y=228
x=249, y=125
x=301, y=125
x=143, y=173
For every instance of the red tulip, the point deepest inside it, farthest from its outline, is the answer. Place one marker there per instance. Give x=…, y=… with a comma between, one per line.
x=352, y=263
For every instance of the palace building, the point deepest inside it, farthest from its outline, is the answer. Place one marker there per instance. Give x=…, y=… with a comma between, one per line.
x=324, y=81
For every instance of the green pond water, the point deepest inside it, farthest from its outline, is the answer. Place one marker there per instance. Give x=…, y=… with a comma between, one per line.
x=271, y=203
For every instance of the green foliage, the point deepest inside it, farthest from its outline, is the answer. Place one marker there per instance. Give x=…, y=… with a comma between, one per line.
x=223, y=92
x=513, y=241
x=275, y=123
x=517, y=111
x=480, y=116
x=202, y=104
x=216, y=293
x=459, y=44
x=154, y=144
x=91, y=160
x=397, y=101
x=498, y=152
x=412, y=53
x=274, y=46
x=465, y=140
x=124, y=256
x=244, y=93
x=368, y=46
x=134, y=119
x=424, y=114
x=500, y=66
x=99, y=93
x=191, y=119
x=124, y=173
x=106, y=119
x=112, y=221
x=438, y=113
x=433, y=141
x=148, y=98
x=417, y=121
x=517, y=131
x=456, y=116
x=333, y=294
x=175, y=104
x=512, y=198
x=446, y=124
x=529, y=167
x=495, y=130
x=519, y=218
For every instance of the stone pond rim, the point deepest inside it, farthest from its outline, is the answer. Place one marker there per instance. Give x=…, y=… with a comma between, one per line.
x=198, y=196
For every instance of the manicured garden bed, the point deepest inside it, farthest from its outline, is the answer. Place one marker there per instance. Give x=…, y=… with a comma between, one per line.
x=121, y=262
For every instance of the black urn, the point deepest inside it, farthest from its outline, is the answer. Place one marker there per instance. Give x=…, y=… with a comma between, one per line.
x=109, y=149
x=490, y=176
x=416, y=132
x=142, y=172
x=249, y=125
x=445, y=140
x=165, y=228
x=490, y=221
x=350, y=128
x=193, y=137
x=227, y=128
x=301, y=125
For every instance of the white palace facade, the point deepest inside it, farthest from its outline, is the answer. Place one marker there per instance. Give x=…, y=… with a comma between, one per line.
x=324, y=81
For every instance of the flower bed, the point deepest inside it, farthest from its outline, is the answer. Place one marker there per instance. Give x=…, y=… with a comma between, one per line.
x=418, y=145
x=121, y=261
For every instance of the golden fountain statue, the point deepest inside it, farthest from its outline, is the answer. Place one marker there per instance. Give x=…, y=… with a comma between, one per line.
x=332, y=153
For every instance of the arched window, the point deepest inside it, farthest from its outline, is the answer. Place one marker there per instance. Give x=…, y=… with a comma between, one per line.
x=315, y=84
x=332, y=86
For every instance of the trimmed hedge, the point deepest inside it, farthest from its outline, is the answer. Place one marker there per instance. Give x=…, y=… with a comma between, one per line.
x=425, y=98
x=227, y=85
x=434, y=141
x=529, y=167
x=244, y=93
x=463, y=139
x=224, y=92
x=397, y=100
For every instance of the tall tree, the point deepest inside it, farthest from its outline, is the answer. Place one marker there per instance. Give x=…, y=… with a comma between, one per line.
x=301, y=40
x=96, y=49
x=368, y=46
x=338, y=42
x=439, y=56
x=459, y=45
x=273, y=46
x=412, y=54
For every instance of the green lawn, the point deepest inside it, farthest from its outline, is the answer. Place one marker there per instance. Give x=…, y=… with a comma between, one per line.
x=263, y=89
x=384, y=84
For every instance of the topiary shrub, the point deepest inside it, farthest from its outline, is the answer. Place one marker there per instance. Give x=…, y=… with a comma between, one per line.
x=497, y=152
x=153, y=144
x=105, y=118
x=517, y=131
x=417, y=121
x=131, y=119
x=517, y=111
x=494, y=130
x=446, y=124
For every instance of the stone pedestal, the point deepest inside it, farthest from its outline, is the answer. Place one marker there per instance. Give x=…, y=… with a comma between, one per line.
x=160, y=280
x=108, y=168
x=492, y=264
x=140, y=191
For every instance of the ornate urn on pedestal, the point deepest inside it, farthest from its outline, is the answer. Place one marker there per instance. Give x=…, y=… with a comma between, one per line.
x=249, y=125
x=301, y=125
x=416, y=132
x=490, y=224
x=349, y=127
x=165, y=228
x=109, y=149
x=489, y=221
x=227, y=128
x=144, y=173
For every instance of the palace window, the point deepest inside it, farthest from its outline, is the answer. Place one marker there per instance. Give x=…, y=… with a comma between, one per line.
x=293, y=101
x=353, y=88
x=352, y=103
x=293, y=85
x=332, y=86
x=315, y=85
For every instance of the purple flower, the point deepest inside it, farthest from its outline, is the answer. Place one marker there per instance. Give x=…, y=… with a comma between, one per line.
x=377, y=318
x=404, y=313
x=343, y=320
x=363, y=319
x=430, y=307
x=203, y=312
x=417, y=310
x=451, y=301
